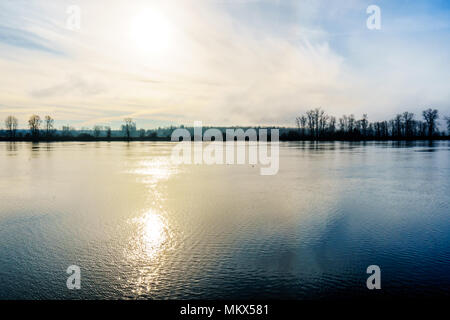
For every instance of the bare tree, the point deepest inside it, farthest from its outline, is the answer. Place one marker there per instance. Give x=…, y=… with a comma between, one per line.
x=108, y=132
x=34, y=123
x=310, y=116
x=332, y=126
x=66, y=131
x=385, y=128
x=323, y=121
x=397, y=126
x=447, y=119
x=128, y=127
x=343, y=123
x=422, y=127
x=11, y=124
x=351, y=123
x=48, y=125
x=408, y=121
x=301, y=124
x=316, y=115
x=97, y=131
x=319, y=125
x=430, y=116
x=364, y=124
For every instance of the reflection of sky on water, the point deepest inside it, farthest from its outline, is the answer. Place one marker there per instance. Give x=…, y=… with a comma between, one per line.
x=152, y=233
x=141, y=227
x=152, y=171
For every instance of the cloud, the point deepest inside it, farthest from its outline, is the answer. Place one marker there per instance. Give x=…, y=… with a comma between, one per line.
x=74, y=84
x=248, y=63
x=25, y=39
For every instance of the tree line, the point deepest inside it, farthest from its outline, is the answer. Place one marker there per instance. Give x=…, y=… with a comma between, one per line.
x=315, y=124
x=34, y=124
x=39, y=129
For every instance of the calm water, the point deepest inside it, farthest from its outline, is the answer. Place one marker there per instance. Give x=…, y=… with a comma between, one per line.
x=141, y=227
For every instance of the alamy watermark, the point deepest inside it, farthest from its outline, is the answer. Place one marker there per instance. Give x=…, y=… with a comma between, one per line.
x=240, y=147
x=73, y=21
x=374, y=280
x=374, y=20
x=74, y=280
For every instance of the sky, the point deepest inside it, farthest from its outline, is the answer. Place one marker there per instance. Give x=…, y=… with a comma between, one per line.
x=222, y=62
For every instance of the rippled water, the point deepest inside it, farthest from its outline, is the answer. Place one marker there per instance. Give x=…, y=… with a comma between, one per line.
x=141, y=227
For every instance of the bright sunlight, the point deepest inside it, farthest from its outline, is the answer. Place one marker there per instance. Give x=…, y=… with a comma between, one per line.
x=151, y=32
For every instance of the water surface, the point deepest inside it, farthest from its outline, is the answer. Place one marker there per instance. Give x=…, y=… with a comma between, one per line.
x=140, y=226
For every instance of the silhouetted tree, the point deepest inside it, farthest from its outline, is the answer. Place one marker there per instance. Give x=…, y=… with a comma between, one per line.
x=447, y=119
x=316, y=124
x=422, y=126
x=97, y=131
x=351, y=123
x=34, y=123
x=343, y=124
x=48, y=125
x=128, y=127
x=408, y=123
x=430, y=116
x=108, y=132
x=11, y=124
x=397, y=126
x=301, y=124
x=66, y=131
x=322, y=122
x=370, y=130
x=311, y=123
x=332, y=125
x=364, y=125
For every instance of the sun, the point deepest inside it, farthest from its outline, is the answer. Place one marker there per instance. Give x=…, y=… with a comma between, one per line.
x=151, y=32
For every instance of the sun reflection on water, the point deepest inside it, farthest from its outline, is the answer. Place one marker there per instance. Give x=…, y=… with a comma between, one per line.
x=151, y=236
x=152, y=233
x=155, y=170
x=149, y=245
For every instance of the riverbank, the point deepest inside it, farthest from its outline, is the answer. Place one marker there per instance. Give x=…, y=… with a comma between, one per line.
x=168, y=139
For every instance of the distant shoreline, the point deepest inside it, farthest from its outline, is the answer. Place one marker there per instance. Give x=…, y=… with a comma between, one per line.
x=167, y=139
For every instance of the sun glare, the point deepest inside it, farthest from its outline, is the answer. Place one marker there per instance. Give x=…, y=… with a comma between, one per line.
x=151, y=32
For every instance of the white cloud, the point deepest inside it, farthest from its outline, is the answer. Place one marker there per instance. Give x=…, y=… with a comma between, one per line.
x=221, y=69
